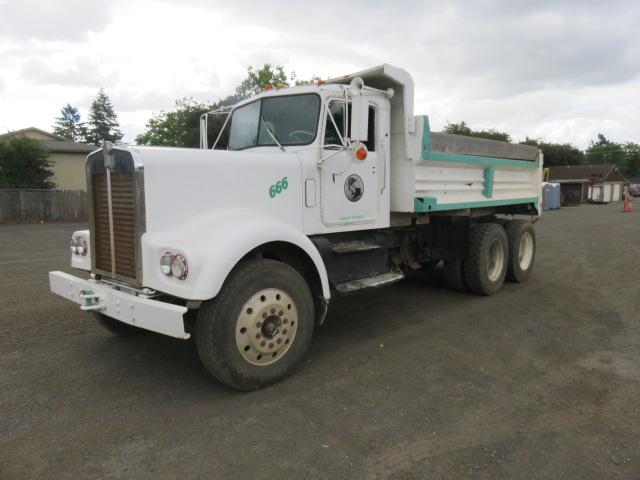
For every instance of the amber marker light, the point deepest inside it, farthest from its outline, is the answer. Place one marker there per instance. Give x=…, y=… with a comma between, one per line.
x=361, y=153
x=268, y=86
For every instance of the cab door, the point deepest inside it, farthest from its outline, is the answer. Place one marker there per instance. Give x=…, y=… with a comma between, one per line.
x=349, y=191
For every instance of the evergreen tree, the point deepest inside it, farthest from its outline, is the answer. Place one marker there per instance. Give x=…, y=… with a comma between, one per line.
x=68, y=124
x=103, y=121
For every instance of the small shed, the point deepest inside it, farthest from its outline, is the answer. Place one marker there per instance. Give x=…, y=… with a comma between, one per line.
x=589, y=183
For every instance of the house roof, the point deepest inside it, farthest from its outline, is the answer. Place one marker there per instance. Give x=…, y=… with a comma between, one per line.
x=51, y=142
x=24, y=132
x=584, y=173
x=67, y=146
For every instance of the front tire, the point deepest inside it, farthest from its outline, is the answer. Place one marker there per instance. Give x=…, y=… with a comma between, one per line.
x=258, y=327
x=486, y=267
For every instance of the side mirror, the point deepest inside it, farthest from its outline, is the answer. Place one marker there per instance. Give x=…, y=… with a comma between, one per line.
x=359, y=116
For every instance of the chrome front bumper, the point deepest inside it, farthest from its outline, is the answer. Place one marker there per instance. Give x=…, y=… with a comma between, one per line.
x=138, y=311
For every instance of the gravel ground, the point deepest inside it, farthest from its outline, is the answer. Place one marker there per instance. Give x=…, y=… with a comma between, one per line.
x=408, y=382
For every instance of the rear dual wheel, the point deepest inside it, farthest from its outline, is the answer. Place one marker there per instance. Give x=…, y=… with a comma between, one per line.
x=486, y=267
x=522, y=249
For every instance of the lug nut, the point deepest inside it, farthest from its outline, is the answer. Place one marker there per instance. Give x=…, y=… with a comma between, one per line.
x=258, y=335
x=271, y=345
x=285, y=321
x=259, y=324
x=273, y=310
x=280, y=312
x=263, y=343
x=264, y=315
x=284, y=332
x=279, y=340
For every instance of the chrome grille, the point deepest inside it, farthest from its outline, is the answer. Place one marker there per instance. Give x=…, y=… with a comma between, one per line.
x=127, y=197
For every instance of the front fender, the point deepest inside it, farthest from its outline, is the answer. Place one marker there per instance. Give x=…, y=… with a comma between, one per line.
x=213, y=245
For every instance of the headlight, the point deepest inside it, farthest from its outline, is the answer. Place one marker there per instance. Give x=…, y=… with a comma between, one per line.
x=179, y=267
x=174, y=264
x=165, y=263
x=78, y=246
x=81, y=247
x=73, y=244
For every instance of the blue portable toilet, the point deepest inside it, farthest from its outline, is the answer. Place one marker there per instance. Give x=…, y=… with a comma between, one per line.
x=547, y=196
x=555, y=195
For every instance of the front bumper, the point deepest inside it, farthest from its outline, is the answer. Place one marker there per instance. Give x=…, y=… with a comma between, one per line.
x=138, y=311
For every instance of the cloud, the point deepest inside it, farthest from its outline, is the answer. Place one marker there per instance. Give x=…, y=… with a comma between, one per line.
x=558, y=70
x=68, y=20
x=82, y=72
x=491, y=47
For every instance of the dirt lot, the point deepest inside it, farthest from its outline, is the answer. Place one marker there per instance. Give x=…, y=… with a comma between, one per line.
x=409, y=382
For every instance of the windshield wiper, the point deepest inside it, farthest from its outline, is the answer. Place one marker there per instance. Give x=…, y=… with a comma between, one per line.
x=271, y=133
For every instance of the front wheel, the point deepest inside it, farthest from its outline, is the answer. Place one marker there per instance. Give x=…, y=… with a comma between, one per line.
x=258, y=327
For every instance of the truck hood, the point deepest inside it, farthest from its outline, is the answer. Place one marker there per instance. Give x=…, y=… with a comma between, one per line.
x=182, y=185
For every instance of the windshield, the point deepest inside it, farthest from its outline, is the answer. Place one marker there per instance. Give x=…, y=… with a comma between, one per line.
x=291, y=120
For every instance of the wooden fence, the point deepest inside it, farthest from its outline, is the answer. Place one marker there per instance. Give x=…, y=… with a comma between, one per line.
x=44, y=206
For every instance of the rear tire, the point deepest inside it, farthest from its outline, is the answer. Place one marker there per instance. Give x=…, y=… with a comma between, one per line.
x=117, y=327
x=486, y=267
x=522, y=250
x=259, y=326
x=454, y=274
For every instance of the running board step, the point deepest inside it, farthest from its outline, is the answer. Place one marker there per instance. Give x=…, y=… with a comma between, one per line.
x=368, y=282
x=354, y=247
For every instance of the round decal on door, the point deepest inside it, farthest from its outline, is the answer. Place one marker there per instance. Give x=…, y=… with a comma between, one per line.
x=353, y=188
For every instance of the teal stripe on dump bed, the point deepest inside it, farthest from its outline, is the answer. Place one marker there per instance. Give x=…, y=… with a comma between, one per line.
x=428, y=154
x=489, y=173
x=430, y=204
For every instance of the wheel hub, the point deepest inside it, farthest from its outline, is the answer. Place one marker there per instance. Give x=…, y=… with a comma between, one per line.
x=495, y=260
x=266, y=326
x=271, y=326
x=525, y=252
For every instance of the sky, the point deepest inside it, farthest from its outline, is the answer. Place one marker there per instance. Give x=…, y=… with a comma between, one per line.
x=557, y=70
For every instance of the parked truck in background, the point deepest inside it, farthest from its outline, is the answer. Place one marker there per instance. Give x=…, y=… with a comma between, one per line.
x=308, y=193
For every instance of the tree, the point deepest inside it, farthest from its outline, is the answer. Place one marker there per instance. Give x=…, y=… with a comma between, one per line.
x=257, y=79
x=557, y=153
x=632, y=164
x=103, y=121
x=604, y=151
x=68, y=124
x=178, y=128
x=24, y=164
x=463, y=128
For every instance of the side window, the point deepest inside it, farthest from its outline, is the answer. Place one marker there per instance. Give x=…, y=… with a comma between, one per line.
x=371, y=131
x=338, y=112
x=337, y=109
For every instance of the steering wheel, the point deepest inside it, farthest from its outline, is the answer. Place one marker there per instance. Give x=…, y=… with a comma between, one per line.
x=297, y=134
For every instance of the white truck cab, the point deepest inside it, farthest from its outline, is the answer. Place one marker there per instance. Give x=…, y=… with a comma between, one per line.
x=306, y=193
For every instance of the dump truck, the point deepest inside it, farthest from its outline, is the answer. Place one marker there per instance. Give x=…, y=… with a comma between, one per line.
x=306, y=193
